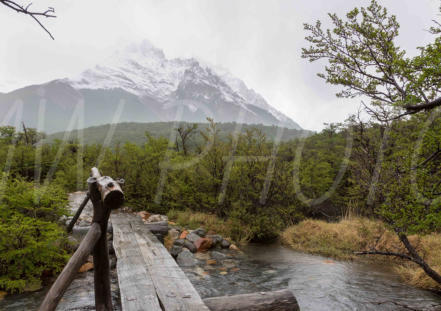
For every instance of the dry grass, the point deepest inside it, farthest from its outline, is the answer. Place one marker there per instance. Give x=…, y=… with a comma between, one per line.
x=229, y=229
x=340, y=240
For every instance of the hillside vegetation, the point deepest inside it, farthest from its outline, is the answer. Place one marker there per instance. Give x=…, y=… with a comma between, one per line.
x=135, y=132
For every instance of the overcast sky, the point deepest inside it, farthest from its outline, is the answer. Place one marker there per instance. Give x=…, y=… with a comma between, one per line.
x=257, y=40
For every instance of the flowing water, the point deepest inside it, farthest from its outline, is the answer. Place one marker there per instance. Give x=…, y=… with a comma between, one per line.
x=318, y=283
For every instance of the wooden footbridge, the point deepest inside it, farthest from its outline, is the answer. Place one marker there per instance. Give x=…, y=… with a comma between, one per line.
x=149, y=278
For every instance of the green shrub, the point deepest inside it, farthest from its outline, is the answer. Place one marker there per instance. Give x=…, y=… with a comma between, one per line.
x=31, y=241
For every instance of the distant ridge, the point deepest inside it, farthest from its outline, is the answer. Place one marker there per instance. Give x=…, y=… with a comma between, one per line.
x=135, y=132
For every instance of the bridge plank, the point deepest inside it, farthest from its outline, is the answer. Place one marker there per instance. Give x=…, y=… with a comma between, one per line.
x=173, y=288
x=136, y=286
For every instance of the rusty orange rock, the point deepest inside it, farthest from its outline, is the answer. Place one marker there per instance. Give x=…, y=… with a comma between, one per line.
x=86, y=267
x=183, y=234
x=234, y=247
x=203, y=244
x=211, y=262
x=144, y=215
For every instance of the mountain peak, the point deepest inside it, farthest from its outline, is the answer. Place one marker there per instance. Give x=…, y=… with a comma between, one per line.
x=166, y=89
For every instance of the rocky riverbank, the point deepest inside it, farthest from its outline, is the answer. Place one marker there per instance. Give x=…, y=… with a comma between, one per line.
x=188, y=246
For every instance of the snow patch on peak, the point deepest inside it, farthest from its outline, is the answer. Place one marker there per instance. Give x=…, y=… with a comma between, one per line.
x=143, y=70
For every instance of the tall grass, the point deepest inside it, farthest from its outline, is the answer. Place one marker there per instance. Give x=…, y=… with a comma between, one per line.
x=340, y=240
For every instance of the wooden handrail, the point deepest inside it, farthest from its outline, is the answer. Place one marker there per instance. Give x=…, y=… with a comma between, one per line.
x=105, y=194
x=66, y=277
x=78, y=213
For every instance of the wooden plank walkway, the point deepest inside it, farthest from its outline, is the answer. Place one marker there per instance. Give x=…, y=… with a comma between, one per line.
x=149, y=278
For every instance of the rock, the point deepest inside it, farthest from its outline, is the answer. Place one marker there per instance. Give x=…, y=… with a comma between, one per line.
x=157, y=218
x=203, y=244
x=110, y=228
x=190, y=246
x=175, y=250
x=202, y=256
x=183, y=234
x=217, y=239
x=2, y=295
x=234, y=248
x=225, y=244
x=144, y=215
x=86, y=267
x=201, y=232
x=172, y=223
x=223, y=272
x=229, y=263
x=179, y=242
x=234, y=270
x=186, y=259
x=211, y=262
x=192, y=237
x=218, y=255
x=174, y=234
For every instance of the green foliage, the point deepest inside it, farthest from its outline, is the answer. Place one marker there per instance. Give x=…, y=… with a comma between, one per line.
x=31, y=242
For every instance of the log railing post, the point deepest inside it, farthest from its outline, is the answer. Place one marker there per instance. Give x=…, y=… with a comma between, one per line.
x=105, y=194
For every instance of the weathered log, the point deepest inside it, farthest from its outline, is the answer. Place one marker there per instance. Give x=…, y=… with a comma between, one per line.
x=66, y=277
x=78, y=213
x=158, y=229
x=110, y=190
x=282, y=300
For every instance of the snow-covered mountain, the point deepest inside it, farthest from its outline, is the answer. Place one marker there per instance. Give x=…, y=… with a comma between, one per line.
x=152, y=87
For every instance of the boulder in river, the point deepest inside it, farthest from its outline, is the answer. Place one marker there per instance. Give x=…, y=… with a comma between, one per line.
x=218, y=255
x=203, y=244
x=192, y=237
x=201, y=232
x=175, y=250
x=225, y=244
x=179, y=242
x=217, y=239
x=190, y=246
x=186, y=258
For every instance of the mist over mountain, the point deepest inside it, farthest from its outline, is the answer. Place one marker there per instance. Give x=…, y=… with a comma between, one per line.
x=139, y=84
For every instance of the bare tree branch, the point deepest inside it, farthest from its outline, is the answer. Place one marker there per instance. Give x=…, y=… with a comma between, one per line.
x=19, y=8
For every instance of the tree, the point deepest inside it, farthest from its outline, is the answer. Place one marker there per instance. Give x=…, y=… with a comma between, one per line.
x=364, y=59
x=35, y=15
x=185, y=132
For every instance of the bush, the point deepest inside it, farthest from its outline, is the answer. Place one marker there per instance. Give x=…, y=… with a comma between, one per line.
x=31, y=241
